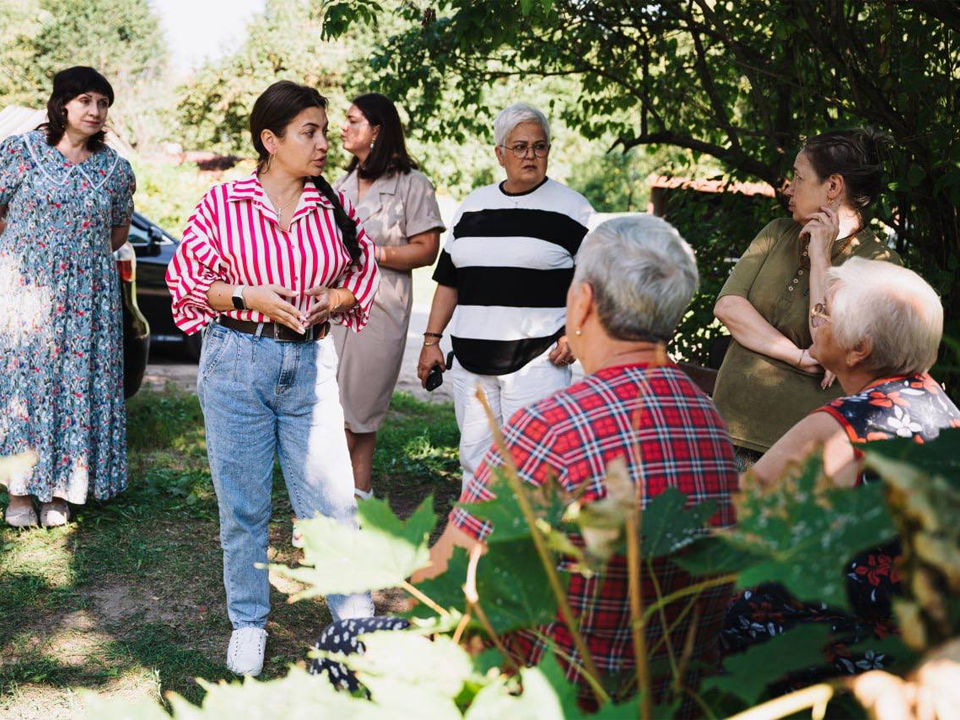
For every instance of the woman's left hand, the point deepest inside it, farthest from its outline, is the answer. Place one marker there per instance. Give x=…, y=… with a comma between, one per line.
x=324, y=301
x=828, y=379
x=561, y=355
x=823, y=228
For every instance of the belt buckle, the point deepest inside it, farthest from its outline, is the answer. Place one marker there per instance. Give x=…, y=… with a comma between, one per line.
x=291, y=335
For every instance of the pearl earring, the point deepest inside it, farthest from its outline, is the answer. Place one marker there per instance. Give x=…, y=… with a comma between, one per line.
x=578, y=333
x=372, y=143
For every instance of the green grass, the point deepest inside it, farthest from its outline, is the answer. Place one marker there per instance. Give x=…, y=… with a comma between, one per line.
x=128, y=599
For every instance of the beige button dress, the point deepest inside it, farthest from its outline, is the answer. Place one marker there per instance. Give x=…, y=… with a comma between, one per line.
x=394, y=208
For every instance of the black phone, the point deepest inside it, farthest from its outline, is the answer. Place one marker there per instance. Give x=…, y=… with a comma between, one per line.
x=435, y=376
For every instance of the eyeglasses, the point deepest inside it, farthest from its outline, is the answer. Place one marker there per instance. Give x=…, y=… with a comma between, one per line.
x=519, y=150
x=819, y=315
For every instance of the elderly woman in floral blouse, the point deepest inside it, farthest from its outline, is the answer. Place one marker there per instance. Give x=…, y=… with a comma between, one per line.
x=878, y=331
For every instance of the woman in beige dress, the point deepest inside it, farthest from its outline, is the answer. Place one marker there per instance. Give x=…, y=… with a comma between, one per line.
x=399, y=211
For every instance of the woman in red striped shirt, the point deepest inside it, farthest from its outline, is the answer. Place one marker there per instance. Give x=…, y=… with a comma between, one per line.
x=266, y=263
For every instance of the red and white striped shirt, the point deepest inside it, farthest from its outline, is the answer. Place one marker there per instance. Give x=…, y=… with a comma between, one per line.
x=234, y=236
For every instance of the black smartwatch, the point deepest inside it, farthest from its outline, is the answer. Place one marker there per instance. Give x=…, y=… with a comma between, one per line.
x=238, y=298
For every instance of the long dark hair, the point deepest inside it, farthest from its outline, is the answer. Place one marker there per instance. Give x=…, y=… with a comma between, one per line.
x=855, y=155
x=276, y=107
x=68, y=84
x=389, y=154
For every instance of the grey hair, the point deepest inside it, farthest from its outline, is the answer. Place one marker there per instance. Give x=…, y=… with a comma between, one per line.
x=643, y=276
x=892, y=306
x=512, y=116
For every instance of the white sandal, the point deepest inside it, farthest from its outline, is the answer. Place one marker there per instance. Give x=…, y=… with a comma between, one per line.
x=54, y=514
x=363, y=494
x=22, y=517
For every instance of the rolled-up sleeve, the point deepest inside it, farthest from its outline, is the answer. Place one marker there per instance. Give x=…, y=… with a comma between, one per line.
x=362, y=279
x=195, y=266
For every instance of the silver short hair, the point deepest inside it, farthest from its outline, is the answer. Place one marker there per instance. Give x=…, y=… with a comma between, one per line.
x=891, y=306
x=643, y=276
x=512, y=116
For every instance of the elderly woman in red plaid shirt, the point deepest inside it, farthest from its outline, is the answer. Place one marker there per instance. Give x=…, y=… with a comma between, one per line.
x=634, y=279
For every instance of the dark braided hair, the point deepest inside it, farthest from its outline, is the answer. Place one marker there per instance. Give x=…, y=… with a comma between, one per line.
x=274, y=110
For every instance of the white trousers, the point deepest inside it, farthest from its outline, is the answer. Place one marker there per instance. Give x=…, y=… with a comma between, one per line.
x=506, y=394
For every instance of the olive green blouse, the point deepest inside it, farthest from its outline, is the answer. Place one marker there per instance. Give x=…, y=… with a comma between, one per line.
x=760, y=398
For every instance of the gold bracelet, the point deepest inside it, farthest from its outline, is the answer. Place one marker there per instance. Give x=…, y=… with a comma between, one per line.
x=337, y=306
x=430, y=344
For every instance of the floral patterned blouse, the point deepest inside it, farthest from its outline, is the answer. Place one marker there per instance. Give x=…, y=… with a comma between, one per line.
x=907, y=406
x=61, y=338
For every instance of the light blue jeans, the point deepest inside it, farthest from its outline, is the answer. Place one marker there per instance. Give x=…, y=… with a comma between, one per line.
x=261, y=397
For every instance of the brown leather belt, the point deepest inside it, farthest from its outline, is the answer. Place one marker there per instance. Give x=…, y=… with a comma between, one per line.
x=280, y=333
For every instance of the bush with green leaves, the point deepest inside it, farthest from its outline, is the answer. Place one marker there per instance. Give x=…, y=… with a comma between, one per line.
x=800, y=533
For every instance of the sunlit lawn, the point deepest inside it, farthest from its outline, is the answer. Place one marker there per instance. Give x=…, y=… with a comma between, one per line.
x=128, y=599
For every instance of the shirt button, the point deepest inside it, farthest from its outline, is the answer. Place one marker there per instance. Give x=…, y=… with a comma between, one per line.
x=790, y=288
x=800, y=271
x=804, y=253
x=795, y=281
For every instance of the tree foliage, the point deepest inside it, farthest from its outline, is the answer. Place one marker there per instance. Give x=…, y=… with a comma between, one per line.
x=122, y=39
x=740, y=82
x=283, y=43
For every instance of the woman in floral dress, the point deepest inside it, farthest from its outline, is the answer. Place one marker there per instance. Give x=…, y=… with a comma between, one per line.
x=878, y=331
x=68, y=201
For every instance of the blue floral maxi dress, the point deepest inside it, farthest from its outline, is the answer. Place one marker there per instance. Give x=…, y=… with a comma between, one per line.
x=61, y=335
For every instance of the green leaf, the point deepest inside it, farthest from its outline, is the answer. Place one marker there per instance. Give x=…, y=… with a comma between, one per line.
x=513, y=587
x=447, y=588
x=668, y=526
x=283, y=699
x=713, y=555
x=903, y=462
x=805, y=530
x=382, y=554
x=526, y=6
x=547, y=501
x=748, y=674
x=404, y=670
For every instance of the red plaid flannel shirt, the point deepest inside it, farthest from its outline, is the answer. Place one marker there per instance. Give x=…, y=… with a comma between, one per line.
x=572, y=436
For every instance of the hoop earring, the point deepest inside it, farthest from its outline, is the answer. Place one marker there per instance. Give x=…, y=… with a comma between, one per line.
x=266, y=167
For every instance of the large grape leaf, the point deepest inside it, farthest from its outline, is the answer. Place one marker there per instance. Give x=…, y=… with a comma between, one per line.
x=382, y=554
x=287, y=698
x=748, y=674
x=406, y=671
x=547, y=501
x=511, y=583
x=513, y=587
x=445, y=589
x=668, y=525
x=906, y=460
x=804, y=530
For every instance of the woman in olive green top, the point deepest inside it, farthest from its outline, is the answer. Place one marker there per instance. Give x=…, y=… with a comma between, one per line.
x=768, y=381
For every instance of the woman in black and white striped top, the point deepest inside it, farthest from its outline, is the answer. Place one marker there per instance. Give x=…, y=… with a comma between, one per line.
x=502, y=278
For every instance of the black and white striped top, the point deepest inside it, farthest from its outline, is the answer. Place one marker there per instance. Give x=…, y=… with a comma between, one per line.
x=511, y=258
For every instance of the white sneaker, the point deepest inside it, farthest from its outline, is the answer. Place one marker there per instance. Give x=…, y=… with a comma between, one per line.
x=245, y=654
